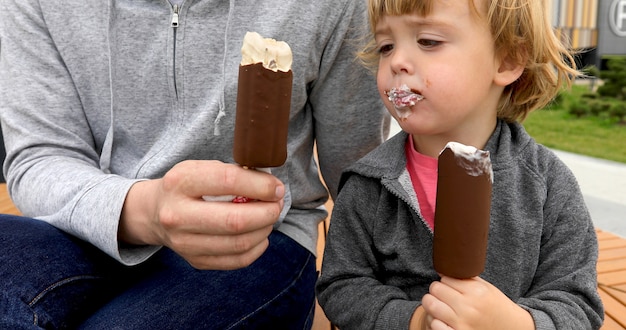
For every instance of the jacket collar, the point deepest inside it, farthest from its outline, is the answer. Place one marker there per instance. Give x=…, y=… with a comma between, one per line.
x=388, y=161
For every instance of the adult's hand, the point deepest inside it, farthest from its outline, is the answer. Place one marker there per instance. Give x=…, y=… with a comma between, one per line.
x=209, y=235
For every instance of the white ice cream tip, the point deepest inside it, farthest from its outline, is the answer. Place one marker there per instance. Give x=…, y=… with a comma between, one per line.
x=275, y=55
x=475, y=161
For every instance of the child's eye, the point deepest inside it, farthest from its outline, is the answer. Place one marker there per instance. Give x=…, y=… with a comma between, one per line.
x=428, y=43
x=385, y=49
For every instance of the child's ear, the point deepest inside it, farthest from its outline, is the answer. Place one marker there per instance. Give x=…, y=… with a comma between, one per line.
x=510, y=68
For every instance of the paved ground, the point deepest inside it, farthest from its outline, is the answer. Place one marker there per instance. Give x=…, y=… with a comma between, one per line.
x=603, y=184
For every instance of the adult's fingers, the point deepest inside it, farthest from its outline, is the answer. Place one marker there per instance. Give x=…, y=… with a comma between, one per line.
x=223, y=252
x=214, y=178
x=219, y=218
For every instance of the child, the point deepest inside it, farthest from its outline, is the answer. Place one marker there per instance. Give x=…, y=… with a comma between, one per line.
x=474, y=69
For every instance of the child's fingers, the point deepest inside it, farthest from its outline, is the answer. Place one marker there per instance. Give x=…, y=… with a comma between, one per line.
x=436, y=309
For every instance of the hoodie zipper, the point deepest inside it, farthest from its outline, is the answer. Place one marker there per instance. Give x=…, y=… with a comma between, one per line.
x=175, y=17
x=174, y=25
x=403, y=197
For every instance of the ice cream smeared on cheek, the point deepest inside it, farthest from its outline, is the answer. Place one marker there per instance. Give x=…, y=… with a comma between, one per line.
x=403, y=98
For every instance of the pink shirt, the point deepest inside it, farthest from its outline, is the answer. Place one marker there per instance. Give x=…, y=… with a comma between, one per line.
x=423, y=172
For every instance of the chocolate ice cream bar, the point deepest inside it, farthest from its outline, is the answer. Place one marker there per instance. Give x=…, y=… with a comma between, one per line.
x=263, y=102
x=462, y=211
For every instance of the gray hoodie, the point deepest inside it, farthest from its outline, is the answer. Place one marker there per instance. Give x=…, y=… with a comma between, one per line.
x=542, y=248
x=95, y=95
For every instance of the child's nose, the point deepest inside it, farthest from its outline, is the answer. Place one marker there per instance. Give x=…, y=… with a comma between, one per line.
x=402, y=61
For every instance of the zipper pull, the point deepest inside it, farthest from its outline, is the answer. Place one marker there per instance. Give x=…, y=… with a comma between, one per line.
x=175, y=17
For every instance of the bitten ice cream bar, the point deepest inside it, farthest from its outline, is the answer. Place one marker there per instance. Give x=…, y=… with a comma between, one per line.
x=263, y=102
x=462, y=211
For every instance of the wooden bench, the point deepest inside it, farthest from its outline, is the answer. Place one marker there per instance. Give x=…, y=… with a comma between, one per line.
x=611, y=271
x=6, y=205
x=612, y=279
x=320, y=322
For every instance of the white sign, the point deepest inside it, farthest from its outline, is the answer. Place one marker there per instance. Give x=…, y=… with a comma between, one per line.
x=617, y=17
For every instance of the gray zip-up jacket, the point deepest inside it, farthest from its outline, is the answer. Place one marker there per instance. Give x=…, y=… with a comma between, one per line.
x=96, y=94
x=542, y=248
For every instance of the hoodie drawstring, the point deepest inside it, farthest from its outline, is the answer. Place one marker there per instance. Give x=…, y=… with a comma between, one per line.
x=107, y=147
x=222, y=102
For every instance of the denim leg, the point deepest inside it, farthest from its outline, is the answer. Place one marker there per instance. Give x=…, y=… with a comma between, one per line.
x=276, y=292
x=50, y=279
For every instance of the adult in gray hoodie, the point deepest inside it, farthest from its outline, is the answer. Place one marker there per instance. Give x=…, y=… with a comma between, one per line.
x=118, y=117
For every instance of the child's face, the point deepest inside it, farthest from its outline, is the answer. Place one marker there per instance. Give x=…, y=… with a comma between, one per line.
x=448, y=58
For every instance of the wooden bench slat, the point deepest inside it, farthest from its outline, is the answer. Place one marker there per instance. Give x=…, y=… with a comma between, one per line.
x=320, y=321
x=611, y=254
x=613, y=307
x=611, y=265
x=602, y=235
x=610, y=324
x=617, y=294
x=612, y=278
x=608, y=244
x=6, y=204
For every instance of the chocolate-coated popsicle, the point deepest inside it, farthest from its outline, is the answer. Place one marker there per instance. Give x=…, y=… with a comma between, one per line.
x=263, y=102
x=462, y=211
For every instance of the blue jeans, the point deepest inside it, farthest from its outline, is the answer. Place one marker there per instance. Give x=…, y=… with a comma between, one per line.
x=52, y=280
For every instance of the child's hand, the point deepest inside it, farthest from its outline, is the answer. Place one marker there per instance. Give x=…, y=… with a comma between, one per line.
x=471, y=304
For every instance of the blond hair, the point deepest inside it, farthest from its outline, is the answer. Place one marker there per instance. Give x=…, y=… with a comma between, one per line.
x=521, y=32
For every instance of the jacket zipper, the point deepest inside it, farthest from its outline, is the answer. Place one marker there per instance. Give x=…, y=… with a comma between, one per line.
x=174, y=25
x=175, y=17
x=407, y=200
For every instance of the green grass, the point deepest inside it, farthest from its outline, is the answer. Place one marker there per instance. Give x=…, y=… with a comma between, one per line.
x=592, y=136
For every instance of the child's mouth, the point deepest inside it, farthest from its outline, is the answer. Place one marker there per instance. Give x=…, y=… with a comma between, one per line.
x=403, y=98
